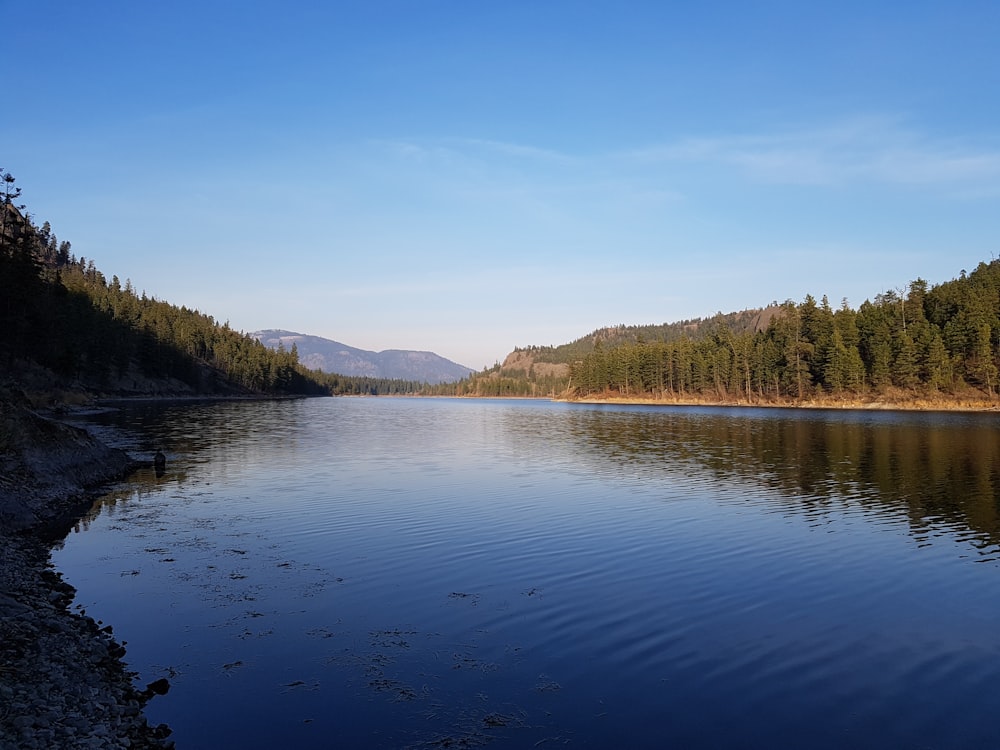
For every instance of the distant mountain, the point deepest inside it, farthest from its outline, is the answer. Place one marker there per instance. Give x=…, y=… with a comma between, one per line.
x=318, y=353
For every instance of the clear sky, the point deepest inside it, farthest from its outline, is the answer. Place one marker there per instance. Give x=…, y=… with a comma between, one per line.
x=467, y=177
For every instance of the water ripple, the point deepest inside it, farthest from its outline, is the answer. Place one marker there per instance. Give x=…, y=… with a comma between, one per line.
x=456, y=572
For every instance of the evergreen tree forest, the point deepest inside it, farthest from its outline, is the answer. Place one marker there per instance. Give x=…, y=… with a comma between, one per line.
x=943, y=340
x=496, y=382
x=531, y=375
x=365, y=385
x=940, y=343
x=61, y=314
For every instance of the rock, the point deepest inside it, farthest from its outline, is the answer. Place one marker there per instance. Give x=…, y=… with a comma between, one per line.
x=158, y=687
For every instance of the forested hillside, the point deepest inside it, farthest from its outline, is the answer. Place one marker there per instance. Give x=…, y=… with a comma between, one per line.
x=940, y=342
x=64, y=325
x=931, y=341
x=614, y=336
x=544, y=371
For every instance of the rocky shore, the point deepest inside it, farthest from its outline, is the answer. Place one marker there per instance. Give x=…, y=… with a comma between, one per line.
x=63, y=681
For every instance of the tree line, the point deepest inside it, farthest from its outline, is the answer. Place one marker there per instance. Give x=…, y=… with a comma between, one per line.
x=366, y=385
x=939, y=340
x=493, y=382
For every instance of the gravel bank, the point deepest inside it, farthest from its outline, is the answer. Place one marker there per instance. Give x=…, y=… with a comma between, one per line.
x=63, y=683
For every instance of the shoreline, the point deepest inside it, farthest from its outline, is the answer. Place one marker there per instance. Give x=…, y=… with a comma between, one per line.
x=63, y=679
x=977, y=405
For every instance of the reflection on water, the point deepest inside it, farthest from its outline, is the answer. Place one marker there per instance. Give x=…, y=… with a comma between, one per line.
x=432, y=573
x=936, y=468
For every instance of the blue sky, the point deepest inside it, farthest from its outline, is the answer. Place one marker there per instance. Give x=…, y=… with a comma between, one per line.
x=466, y=177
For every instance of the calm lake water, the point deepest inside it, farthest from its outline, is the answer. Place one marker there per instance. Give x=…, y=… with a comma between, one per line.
x=454, y=573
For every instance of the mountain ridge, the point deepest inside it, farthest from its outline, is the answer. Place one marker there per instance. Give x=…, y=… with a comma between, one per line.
x=330, y=356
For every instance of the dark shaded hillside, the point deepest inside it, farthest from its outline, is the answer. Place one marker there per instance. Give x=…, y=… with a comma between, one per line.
x=63, y=325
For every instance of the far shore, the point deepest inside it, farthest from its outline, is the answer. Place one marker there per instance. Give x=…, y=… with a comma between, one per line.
x=893, y=401
x=971, y=404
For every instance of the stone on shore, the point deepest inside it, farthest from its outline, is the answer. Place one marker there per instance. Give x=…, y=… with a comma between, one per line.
x=62, y=681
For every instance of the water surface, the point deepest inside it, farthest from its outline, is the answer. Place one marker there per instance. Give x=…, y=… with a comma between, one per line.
x=434, y=573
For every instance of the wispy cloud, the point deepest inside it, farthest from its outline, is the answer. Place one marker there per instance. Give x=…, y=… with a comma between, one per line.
x=851, y=151
x=517, y=180
x=863, y=149
x=520, y=150
x=470, y=148
x=418, y=152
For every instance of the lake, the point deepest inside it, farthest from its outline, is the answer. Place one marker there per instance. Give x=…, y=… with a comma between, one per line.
x=390, y=572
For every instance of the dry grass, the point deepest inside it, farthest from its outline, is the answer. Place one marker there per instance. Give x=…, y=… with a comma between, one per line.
x=889, y=400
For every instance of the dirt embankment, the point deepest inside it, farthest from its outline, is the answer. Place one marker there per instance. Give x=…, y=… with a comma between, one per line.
x=45, y=466
x=524, y=362
x=62, y=679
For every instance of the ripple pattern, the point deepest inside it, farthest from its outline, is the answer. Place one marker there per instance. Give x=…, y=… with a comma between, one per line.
x=406, y=572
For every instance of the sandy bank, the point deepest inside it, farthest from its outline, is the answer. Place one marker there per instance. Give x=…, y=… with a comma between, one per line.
x=889, y=403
